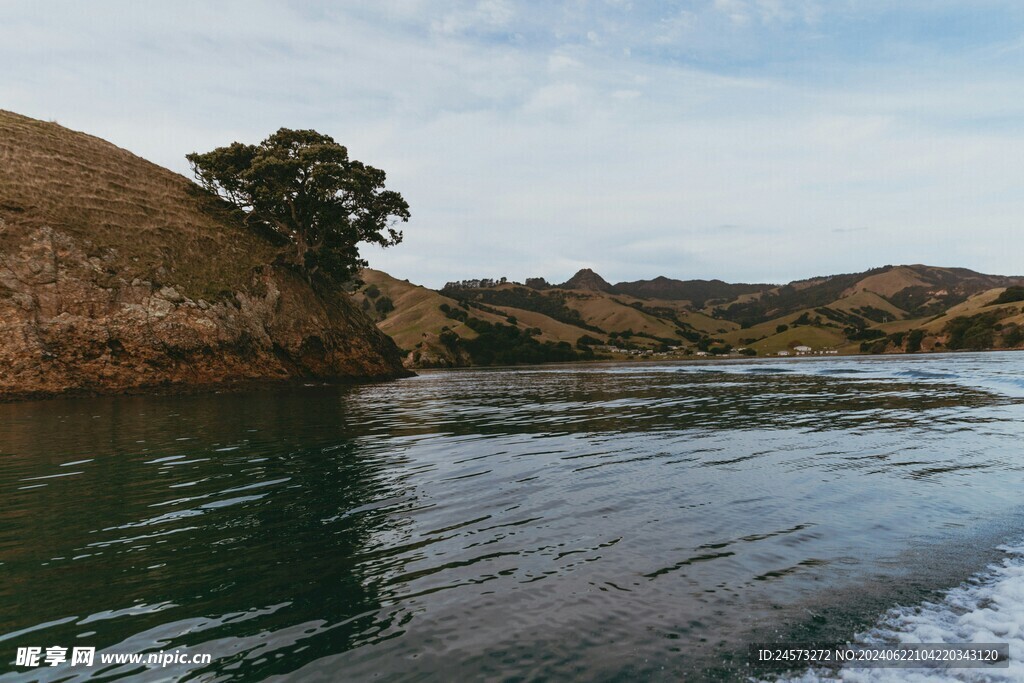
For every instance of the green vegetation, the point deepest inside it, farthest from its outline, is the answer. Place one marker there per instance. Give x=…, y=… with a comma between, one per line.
x=983, y=331
x=1013, y=335
x=805, y=319
x=1010, y=295
x=498, y=344
x=384, y=305
x=790, y=299
x=699, y=292
x=841, y=317
x=454, y=313
x=629, y=333
x=914, y=340
x=974, y=332
x=874, y=314
x=922, y=301
x=551, y=303
x=863, y=333
x=876, y=347
x=664, y=313
x=301, y=188
x=587, y=340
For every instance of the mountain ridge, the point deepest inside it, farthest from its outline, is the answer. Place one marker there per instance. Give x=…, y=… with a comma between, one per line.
x=893, y=308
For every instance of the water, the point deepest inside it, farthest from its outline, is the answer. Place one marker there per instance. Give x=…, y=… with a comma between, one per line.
x=597, y=522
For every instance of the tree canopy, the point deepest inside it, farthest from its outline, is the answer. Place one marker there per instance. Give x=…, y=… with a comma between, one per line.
x=303, y=186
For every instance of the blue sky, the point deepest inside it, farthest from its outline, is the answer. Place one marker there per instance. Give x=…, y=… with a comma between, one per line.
x=749, y=140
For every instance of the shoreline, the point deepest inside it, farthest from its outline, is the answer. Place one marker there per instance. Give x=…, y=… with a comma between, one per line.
x=716, y=359
x=246, y=385
x=183, y=389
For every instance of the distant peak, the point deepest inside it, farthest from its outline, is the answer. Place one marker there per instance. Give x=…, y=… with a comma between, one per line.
x=587, y=279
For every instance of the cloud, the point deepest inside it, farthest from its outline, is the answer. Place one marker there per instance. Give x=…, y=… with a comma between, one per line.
x=532, y=139
x=735, y=11
x=483, y=17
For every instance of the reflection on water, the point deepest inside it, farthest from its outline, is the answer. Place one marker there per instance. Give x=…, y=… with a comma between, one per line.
x=601, y=521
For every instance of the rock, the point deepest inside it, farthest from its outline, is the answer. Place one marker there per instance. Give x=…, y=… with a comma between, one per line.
x=171, y=294
x=64, y=329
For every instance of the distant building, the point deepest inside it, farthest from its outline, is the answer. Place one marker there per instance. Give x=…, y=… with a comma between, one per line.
x=783, y=353
x=802, y=349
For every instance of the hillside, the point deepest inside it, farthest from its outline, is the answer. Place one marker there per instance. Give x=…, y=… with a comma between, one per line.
x=917, y=290
x=116, y=275
x=696, y=292
x=435, y=330
x=892, y=309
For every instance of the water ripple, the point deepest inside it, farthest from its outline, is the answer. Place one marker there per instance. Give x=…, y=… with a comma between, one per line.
x=598, y=521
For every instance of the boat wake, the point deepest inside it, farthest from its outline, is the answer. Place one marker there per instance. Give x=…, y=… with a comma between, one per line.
x=988, y=608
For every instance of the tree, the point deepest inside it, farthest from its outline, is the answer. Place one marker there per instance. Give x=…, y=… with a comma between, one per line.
x=384, y=305
x=914, y=340
x=1013, y=336
x=1010, y=295
x=303, y=186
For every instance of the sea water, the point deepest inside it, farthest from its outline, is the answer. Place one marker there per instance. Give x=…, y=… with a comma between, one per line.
x=624, y=521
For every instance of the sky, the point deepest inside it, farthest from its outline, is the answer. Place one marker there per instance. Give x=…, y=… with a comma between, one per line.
x=747, y=140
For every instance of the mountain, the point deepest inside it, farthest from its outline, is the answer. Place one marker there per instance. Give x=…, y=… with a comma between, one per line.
x=697, y=292
x=915, y=290
x=588, y=280
x=117, y=275
x=889, y=309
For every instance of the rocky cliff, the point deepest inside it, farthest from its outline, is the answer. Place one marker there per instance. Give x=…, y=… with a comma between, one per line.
x=116, y=276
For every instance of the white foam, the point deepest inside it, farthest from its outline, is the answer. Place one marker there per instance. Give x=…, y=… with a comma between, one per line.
x=988, y=608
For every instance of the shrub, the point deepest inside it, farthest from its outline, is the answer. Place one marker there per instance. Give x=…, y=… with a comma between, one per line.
x=1010, y=295
x=384, y=305
x=914, y=341
x=975, y=332
x=587, y=340
x=1013, y=336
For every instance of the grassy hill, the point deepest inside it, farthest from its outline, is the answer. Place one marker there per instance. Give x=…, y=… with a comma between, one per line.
x=422, y=322
x=148, y=222
x=884, y=310
x=119, y=275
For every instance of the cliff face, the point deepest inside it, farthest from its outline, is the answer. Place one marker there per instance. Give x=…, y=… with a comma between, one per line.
x=94, y=301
